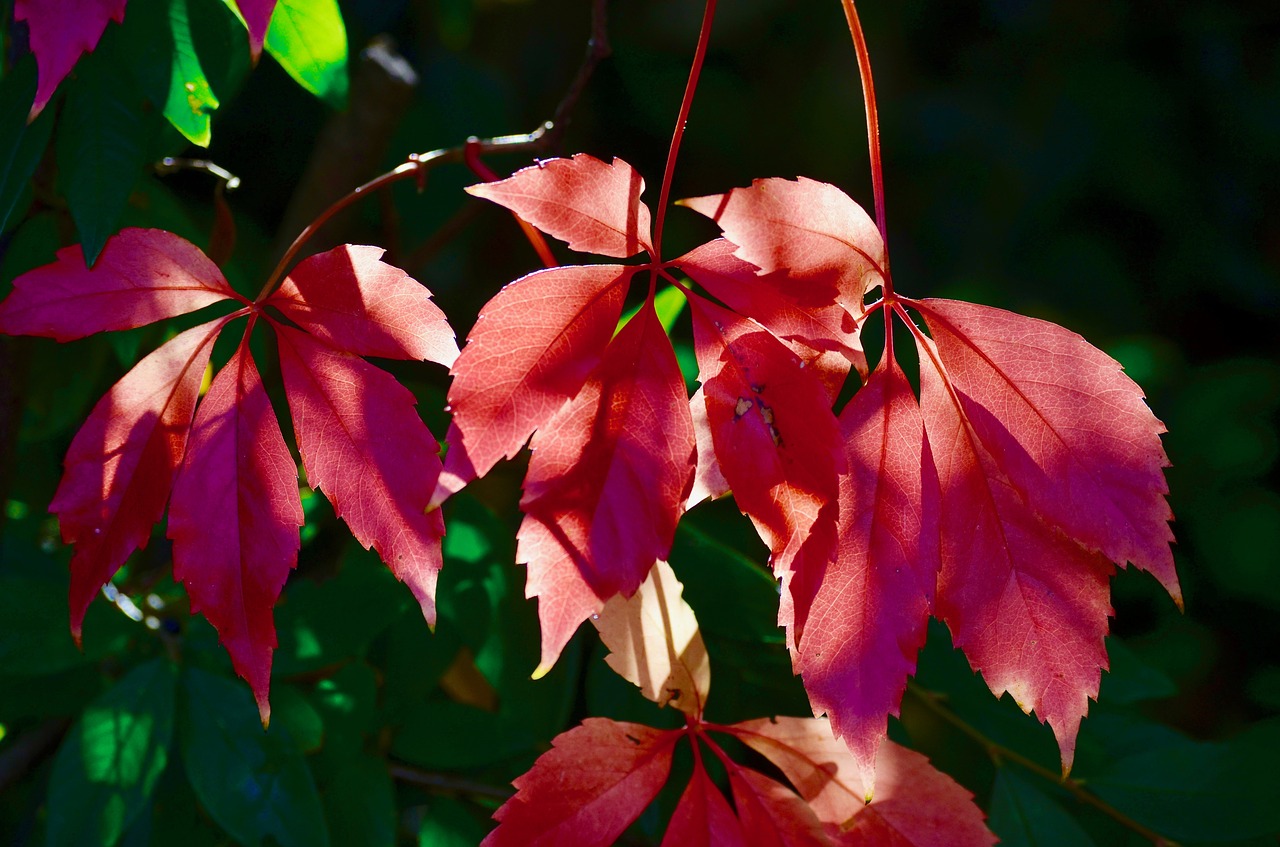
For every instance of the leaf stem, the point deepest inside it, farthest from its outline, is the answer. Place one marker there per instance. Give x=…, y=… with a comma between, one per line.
x=997, y=752
x=704, y=36
x=470, y=153
x=873, y=130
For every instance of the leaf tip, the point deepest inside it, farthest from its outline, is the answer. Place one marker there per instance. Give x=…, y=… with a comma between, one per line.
x=264, y=709
x=540, y=671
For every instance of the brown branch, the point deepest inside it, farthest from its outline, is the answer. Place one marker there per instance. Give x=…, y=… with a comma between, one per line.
x=444, y=783
x=29, y=749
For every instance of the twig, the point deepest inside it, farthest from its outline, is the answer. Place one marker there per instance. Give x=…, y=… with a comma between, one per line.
x=447, y=783
x=998, y=753
x=28, y=749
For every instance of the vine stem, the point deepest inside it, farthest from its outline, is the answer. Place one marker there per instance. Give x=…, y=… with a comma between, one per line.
x=704, y=36
x=998, y=752
x=873, y=131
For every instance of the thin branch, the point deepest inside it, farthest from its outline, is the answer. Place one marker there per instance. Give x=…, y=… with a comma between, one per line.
x=447, y=783
x=998, y=753
x=418, y=165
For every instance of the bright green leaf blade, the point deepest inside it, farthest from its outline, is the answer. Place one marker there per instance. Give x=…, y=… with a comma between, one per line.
x=1024, y=816
x=668, y=303
x=447, y=823
x=108, y=765
x=20, y=145
x=309, y=40
x=101, y=149
x=190, y=100
x=255, y=784
x=1200, y=791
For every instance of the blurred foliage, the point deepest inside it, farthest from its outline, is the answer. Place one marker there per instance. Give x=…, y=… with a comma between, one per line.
x=1114, y=167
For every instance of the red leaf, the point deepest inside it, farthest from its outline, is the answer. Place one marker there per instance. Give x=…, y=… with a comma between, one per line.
x=609, y=476
x=870, y=608
x=827, y=245
x=596, y=779
x=121, y=464
x=532, y=348
x=59, y=31
x=353, y=301
x=915, y=805
x=777, y=442
x=363, y=444
x=257, y=18
x=142, y=276
x=235, y=516
x=772, y=813
x=1065, y=425
x=823, y=335
x=703, y=818
x=592, y=206
x=1028, y=606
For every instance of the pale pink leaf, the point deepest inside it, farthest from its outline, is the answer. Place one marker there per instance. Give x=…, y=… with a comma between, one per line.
x=708, y=482
x=234, y=518
x=365, y=447
x=141, y=276
x=592, y=206
x=120, y=467
x=596, y=779
x=772, y=814
x=354, y=301
x=257, y=19
x=654, y=643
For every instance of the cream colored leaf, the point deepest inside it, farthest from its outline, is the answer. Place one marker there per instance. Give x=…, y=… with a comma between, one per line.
x=654, y=642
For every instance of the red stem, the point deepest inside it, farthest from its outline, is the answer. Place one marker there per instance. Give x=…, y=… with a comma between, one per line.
x=704, y=35
x=873, y=131
x=471, y=155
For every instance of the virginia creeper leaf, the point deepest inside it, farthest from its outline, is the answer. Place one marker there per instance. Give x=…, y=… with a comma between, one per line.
x=592, y=206
x=654, y=642
x=1065, y=425
x=773, y=814
x=914, y=804
x=234, y=518
x=823, y=335
x=353, y=301
x=364, y=446
x=703, y=817
x=596, y=779
x=257, y=17
x=59, y=31
x=141, y=276
x=120, y=467
x=610, y=474
x=708, y=481
x=776, y=440
x=1027, y=605
x=824, y=241
x=867, y=613
x=531, y=349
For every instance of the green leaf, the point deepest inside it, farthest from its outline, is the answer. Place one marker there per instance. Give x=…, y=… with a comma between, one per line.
x=668, y=303
x=1130, y=680
x=255, y=784
x=107, y=767
x=169, y=71
x=1200, y=791
x=102, y=148
x=309, y=40
x=360, y=803
x=447, y=823
x=21, y=145
x=1024, y=816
